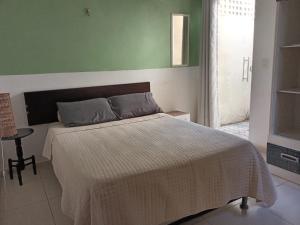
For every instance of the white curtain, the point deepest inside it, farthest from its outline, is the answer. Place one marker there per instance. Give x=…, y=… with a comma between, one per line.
x=208, y=88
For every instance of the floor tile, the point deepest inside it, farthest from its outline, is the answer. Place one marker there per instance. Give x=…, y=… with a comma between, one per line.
x=27, y=176
x=13, y=196
x=46, y=170
x=52, y=187
x=49, y=180
x=287, y=205
x=240, y=129
x=255, y=215
x=59, y=217
x=277, y=180
x=34, y=202
x=33, y=214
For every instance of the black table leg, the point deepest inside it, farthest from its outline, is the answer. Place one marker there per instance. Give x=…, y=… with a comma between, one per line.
x=33, y=164
x=19, y=175
x=10, y=167
x=20, y=164
x=19, y=150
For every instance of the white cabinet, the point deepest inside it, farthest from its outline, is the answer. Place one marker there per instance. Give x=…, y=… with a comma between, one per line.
x=285, y=109
x=285, y=106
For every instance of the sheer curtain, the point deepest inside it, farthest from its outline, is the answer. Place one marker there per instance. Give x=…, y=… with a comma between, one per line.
x=208, y=88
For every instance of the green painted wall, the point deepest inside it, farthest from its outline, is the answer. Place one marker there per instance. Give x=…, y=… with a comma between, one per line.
x=48, y=36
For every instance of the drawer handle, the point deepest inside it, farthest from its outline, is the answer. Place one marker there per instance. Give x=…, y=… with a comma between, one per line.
x=289, y=158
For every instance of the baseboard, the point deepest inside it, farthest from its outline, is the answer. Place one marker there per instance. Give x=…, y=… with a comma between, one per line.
x=287, y=175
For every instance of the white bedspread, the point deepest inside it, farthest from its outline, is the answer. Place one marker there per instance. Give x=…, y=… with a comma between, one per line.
x=152, y=169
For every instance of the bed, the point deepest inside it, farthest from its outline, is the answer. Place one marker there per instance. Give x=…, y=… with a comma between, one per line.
x=150, y=170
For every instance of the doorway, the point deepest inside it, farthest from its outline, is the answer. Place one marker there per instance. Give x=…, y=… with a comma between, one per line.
x=235, y=47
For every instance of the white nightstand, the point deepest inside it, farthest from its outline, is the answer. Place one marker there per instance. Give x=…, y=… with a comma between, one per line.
x=180, y=115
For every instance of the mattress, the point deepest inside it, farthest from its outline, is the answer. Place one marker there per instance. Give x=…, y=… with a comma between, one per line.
x=152, y=169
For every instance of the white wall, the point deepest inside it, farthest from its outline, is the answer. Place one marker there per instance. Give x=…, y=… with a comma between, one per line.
x=173, y=88
x=264, y=38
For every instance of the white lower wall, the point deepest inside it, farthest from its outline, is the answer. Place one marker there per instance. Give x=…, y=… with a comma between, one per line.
x=263, y=52
x=173, y=88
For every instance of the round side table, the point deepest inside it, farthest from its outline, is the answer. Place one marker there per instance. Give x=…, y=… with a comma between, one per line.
x=20, y=163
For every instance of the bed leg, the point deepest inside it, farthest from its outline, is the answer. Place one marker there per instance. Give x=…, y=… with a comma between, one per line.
x=244, y=204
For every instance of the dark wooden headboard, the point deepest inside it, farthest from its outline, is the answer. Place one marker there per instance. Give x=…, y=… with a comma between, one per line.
x=41, y=105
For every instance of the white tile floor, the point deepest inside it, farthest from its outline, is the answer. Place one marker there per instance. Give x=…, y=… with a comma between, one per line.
x=37, y=202
x=239, y=129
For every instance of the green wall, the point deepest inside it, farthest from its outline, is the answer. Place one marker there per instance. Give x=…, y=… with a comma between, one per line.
x=48, y=36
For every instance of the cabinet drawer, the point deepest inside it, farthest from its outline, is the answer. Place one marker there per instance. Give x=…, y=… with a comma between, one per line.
x=284, y=158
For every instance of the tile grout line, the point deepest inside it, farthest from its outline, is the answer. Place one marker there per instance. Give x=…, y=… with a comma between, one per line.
x=271, y=211
x=278, y=185
x=48, y=201
x=276, y=215
x=274, y=212
x=27, y=204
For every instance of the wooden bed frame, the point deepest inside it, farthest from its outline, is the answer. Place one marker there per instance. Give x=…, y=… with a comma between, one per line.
x=41, y=109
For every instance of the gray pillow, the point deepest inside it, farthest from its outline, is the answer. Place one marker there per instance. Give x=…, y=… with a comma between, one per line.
x=87, y=112
x=133, y=105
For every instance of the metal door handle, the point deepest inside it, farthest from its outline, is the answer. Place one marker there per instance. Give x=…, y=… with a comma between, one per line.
x=245, y=75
